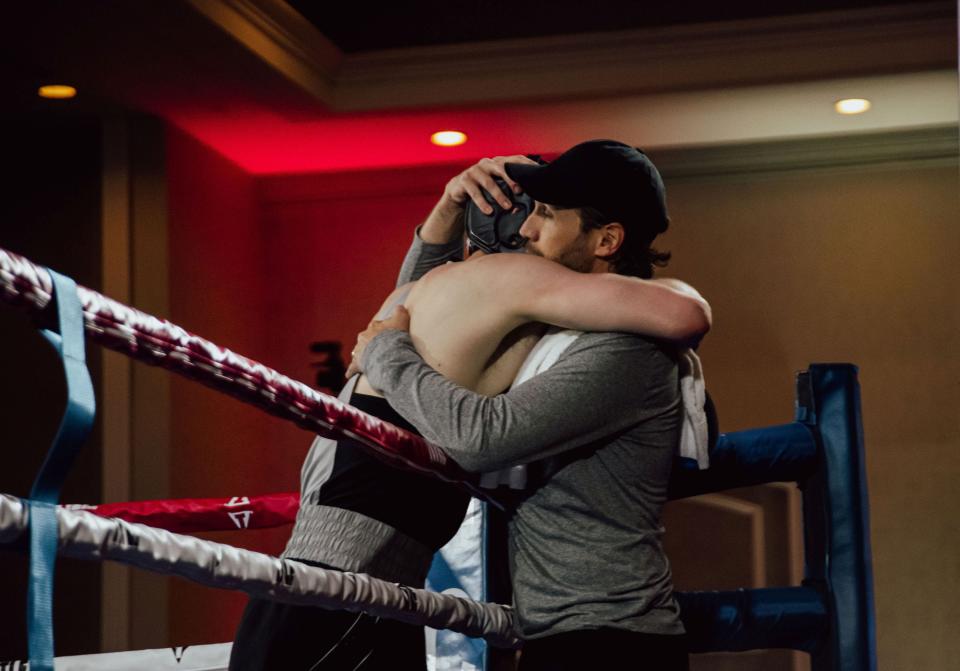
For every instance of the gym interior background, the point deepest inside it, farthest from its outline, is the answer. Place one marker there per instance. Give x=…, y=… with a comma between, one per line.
x=253, y=170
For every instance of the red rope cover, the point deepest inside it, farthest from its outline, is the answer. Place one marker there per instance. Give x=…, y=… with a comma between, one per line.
x=161, y=343
x=193, y=515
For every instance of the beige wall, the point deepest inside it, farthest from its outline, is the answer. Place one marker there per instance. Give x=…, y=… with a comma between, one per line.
x=858, y=265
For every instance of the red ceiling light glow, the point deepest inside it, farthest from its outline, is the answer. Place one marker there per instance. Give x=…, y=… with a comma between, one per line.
x=448, y=138
x=57, y=91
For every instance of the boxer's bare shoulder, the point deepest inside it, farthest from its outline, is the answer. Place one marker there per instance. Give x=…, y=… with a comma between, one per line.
x=460, y=327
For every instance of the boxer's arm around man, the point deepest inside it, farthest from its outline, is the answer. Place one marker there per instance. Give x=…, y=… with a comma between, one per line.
x=535, y=289
x=422, y=257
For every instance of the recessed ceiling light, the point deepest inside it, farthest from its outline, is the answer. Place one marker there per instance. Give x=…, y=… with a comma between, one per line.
x=448, y=138
x=57, y=91
x=852, y=105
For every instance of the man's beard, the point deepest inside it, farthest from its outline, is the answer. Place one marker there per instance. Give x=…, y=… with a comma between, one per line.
x=575, y=256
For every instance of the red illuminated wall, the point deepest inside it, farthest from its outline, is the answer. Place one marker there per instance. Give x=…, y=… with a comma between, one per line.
x=334, y=243
x=218, y=445
x=265, y=266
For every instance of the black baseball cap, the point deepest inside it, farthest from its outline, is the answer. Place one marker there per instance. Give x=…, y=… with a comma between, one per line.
x=609, y=176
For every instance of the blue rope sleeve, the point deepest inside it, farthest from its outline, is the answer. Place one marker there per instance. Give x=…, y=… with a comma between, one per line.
x=74, y=427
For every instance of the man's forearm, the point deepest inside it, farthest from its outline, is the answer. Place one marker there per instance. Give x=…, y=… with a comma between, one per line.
x=563, y=408
x=443, y=227
x=437, y=241
x=444, y=224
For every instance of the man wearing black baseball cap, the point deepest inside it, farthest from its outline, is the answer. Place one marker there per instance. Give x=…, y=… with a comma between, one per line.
x=608, y=182
x=602, y=424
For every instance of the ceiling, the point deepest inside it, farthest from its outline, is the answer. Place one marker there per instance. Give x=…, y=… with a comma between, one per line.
x=356, y=27
x=281, y=87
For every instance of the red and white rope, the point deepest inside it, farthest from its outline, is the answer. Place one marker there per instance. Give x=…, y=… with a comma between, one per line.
x=161, y=343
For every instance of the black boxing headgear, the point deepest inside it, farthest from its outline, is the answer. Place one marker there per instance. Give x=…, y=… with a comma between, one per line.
x=499, y=231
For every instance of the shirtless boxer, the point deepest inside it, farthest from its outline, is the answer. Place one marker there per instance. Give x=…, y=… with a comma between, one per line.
x=473, y=324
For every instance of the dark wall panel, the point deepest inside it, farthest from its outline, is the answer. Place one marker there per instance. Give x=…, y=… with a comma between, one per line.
x=49, y=212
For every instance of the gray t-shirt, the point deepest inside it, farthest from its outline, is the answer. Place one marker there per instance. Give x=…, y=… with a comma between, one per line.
x=603, y=423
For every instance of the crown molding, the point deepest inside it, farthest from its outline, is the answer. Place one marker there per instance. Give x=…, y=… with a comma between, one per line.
x=711, y=55
x=918, y=147
x=282, y=38
x=921, y=147
x=900, y=38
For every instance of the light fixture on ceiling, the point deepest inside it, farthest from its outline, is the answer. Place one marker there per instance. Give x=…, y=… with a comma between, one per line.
x=852, y=106
x=448, y=138
x=57, y=91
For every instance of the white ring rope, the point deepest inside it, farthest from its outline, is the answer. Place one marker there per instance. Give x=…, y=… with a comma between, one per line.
x=87, y=536
x=162, y=343
x=159, y=342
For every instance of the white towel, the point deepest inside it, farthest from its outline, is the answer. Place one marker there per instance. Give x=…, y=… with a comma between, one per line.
x=694, y=442
x=543, y=355
x=693, y=435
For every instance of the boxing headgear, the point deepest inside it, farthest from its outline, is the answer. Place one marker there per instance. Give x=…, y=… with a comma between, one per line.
x=499, y=231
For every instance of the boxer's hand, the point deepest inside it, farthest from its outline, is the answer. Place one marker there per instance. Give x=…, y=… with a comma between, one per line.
x=468, y=184
x=399, y=320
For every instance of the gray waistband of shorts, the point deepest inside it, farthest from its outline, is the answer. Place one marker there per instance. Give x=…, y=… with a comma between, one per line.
x=359, y=544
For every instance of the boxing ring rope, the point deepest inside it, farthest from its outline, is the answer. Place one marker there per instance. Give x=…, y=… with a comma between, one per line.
x=783, y=617
x=775, y=454
x=161, y=343
x=87, y=536
x=195, y=515
x=830, y=615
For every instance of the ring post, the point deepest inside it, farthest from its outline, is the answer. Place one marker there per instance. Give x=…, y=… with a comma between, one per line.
x=836, y=518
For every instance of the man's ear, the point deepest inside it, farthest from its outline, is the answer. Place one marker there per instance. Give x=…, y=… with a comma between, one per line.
x=610, y=240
